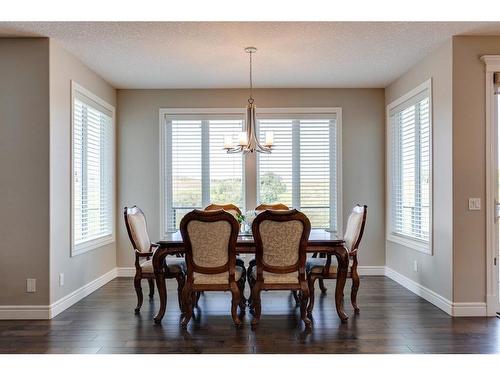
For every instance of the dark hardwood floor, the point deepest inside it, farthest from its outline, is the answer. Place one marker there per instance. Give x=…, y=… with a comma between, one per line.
x=392, y=320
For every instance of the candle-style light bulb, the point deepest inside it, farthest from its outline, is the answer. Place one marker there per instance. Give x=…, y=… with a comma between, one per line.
x=269, y=139
x=243, y=139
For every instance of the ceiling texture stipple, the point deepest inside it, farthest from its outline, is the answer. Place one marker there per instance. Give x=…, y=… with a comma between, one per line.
x=159, y=55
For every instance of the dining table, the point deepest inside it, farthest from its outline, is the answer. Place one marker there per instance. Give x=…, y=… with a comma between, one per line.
x=320, y=241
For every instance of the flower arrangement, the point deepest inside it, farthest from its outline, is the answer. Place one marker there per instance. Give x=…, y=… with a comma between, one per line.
x=246, y=220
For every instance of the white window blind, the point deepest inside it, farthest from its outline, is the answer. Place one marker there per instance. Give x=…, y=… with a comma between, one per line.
x=92, y=162
x=197, y=169
x=410, y=164
x=301, y=171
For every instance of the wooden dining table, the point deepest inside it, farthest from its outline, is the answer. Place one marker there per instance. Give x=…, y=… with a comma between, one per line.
x=320, y=241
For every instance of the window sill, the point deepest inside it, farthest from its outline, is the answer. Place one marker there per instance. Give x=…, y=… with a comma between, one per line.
x=91, y=245
x=421, y=246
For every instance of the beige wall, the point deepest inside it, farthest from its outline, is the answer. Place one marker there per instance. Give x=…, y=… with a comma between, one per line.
x=362, y=150
x=81, y=269
x=435, y=271
x=24, y=166
x=469, y=179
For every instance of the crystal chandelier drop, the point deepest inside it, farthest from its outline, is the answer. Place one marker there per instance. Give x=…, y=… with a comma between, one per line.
x=248, y=140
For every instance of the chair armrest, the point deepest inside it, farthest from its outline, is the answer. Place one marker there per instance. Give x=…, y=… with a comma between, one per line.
x=143, y=255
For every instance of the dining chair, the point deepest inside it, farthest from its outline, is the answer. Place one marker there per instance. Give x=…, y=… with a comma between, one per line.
x=210, y=249
x=251, y=263
x=175, y=268
x=280, y=253
x=321, y=268
x=235, y=211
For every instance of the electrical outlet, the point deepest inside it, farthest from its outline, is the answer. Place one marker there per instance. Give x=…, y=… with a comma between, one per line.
x=31, y=285
x=415, y=266
x=61, y=279
x=474, y=204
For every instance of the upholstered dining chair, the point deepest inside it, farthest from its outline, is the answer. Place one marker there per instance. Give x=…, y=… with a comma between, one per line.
x=210, y=249
x=322, y=268
x=175, y=268
x=280, y=254
x=235, y=211
x=251, y=264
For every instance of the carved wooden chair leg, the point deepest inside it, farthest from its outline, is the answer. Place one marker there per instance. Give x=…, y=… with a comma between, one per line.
x=256, y=303
x=151, y=288
x=322, y=286
x=310, y=284
x=138, y=291
x=251, y=283
x=235, y=302
x=187, y=302
x=197, y=298
x=180, y=286
x=304, y=297
x=242, y=281
x=354, y=289
x=242, y=304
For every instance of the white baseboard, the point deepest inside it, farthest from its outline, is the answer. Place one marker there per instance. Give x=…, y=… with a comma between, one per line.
x=451, y=308
x=62, y=304
x=437, y=300
x=26, y=312
x=125, y=271
x=469, y=309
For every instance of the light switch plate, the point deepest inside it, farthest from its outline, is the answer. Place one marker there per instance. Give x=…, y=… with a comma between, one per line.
x=31, y=285
x=474, y=204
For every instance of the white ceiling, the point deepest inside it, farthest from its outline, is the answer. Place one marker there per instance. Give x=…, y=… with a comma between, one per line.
x=210, y=54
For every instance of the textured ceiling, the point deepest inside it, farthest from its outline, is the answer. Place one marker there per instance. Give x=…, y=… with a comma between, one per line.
x=210, y=54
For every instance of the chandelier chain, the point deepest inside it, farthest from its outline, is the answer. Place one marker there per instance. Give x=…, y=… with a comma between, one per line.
x=251, y=80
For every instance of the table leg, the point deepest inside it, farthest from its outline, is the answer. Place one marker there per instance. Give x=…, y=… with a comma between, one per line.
x=158, y=261
x=343, y=262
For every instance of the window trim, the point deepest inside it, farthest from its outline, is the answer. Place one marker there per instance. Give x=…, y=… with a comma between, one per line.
x=409, y=242
x=250, y=188
x=103, y=240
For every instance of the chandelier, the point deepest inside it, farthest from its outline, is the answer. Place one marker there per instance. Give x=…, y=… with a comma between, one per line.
x=248, y=140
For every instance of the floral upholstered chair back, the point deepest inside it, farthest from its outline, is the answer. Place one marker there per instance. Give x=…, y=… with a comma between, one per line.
x=355, y=227
x=137, y=229
x=281, y=238
x=209, y=238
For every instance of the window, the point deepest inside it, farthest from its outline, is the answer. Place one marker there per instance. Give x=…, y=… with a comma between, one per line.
x=197, y=170
x=302, y=171
x=410, y=169
x=92, y=171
